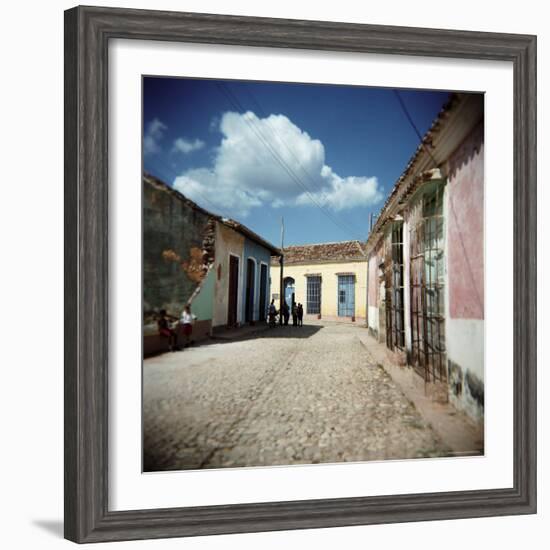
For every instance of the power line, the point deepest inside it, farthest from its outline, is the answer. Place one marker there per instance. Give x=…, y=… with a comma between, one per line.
x=411, y=121
x=340, y=224
x=315, y=184
x=236, y=104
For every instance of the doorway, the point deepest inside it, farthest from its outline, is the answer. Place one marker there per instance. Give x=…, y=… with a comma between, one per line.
x=394, y=288
x=290, y=296
x=427, y=268
x=250, y=289
x=263, y=292
x=346, y=295
x=233, y=291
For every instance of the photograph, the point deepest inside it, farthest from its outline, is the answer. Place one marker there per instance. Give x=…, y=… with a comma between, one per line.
x=312, y=274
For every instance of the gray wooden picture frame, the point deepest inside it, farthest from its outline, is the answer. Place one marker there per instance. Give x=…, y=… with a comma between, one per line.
x=87, y=34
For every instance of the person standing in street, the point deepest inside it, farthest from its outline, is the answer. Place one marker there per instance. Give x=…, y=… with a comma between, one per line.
x=294, y=315
x=300, y=315
x=187, y=319
x=286, y=313
x=272, y=312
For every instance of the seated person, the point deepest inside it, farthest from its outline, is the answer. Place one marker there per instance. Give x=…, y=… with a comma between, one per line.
x=166, y=331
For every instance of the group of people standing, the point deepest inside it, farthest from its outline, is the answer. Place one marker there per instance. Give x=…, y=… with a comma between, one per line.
x=169, y=326
x=297, y=312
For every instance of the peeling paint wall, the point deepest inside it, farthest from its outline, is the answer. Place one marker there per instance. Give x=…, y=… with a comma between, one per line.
x=177, y=249
x=465, y=364
x=465, y=229
x=466, y=310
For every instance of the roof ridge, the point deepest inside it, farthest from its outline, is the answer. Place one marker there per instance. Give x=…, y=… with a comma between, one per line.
x=322, y=244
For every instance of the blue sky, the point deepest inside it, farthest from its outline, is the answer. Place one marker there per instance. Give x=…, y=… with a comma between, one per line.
x=322, y=156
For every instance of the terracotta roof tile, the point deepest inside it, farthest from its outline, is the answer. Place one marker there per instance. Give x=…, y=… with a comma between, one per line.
x=323, y=253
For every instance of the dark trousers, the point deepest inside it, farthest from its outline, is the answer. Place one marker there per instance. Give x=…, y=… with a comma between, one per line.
x=172, y=337
x=295, y=320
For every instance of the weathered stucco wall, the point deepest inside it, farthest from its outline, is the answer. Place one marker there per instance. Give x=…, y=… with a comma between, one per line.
x=465, y=229
x=373, y=280
x=329, y=285
x=177, y=249
x=465, y=244
x=228, y=242
x=465, y=362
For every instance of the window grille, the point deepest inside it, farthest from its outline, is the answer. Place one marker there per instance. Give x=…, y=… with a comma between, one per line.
x=313, y=304
x=427, y=266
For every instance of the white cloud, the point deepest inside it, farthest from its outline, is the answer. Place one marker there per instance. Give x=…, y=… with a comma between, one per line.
x=245, y=174
x=185, y=146
x=153, y=134
x=344, y=193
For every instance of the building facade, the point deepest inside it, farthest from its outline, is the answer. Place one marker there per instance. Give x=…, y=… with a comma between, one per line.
x=426, y=259
x=242, y=271
x=193, y=257
x=328, y=279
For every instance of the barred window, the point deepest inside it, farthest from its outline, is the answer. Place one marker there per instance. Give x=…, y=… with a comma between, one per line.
x=313, y=295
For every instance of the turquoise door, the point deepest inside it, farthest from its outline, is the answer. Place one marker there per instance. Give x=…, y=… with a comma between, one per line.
x=346, y=295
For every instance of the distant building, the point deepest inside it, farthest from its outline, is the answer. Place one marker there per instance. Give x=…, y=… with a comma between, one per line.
x=426, y=259
x=328, y=279
x=191, y=256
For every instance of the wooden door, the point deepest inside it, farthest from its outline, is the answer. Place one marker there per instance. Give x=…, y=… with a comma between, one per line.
x=263, y=292
x=233, y=290
x=250, y=291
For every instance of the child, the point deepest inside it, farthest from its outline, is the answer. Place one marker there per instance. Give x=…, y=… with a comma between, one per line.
x=165, y=330
x=300, y=315
x=187, y=319
x=272, y=312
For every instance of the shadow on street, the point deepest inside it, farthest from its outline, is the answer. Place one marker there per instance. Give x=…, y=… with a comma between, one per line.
x=252, y=333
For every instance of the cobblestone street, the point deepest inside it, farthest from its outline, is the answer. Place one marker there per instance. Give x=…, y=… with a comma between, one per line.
x=289, y=395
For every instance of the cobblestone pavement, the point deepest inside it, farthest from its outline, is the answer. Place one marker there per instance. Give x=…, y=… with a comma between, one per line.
x=290, y=395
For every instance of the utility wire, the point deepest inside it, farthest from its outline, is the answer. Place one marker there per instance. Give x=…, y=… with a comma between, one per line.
x=340, y=223
x=236, y=104
x=415, y=128
x=417, y=132
x=275, y=133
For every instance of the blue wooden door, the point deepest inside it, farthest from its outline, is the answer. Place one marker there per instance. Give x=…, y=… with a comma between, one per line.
x=346, y=295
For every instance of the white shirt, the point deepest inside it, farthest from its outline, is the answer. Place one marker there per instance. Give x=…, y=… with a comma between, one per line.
x=187, y=318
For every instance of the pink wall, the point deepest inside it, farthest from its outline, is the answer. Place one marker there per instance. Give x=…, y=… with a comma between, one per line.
x=465, y=229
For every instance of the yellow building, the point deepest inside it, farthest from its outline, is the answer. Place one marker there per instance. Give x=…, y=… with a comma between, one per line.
x=329, y=280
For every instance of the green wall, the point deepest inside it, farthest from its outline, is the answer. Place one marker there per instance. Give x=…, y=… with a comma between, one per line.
x=203, y=304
